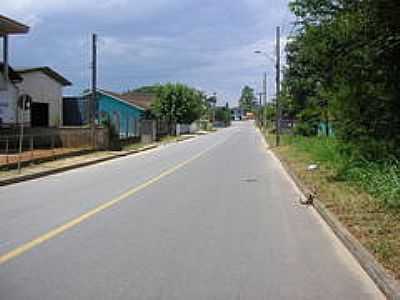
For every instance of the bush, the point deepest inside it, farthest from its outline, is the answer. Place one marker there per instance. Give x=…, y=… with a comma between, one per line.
x=115, y=143
x=381, y=179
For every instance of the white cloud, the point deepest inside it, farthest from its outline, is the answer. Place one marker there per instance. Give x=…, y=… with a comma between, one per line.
x=106, y=8
x=207, y=43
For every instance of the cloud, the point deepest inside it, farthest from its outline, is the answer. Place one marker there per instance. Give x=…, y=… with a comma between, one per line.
x=207, y=44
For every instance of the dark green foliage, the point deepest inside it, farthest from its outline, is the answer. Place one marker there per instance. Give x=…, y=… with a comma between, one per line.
x=223, y=114
x=247, y=100
x=379, y=178
x=344, y=68
x=113, y=134
x=178, y=103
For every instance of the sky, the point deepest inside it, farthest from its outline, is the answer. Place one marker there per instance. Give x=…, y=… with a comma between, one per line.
x=207, y=44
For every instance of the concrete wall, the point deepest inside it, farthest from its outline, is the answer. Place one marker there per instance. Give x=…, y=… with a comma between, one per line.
x=9, y=113
x=73, y=137
x=44, y=89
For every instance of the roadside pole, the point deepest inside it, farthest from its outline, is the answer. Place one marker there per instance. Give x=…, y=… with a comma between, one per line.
x=278, y=85
x=265, y=100
x=94, y=91
x=21, y=134
x=260, y=109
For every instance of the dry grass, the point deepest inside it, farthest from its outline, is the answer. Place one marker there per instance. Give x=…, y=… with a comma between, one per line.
x=376, y=226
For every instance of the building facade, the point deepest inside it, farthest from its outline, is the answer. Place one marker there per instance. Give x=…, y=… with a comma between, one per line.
x=45, y=86
x=122, y=114
x=10, y=114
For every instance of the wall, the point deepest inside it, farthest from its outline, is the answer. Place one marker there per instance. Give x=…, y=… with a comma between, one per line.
x=75, y=111
x=122, y=115
x=44, y=89
x=8, y=104
x=73, y=137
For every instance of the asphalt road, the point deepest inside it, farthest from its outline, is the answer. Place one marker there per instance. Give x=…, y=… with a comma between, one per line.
x=211, y=218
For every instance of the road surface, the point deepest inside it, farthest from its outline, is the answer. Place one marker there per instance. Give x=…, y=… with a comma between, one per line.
x=211, y=218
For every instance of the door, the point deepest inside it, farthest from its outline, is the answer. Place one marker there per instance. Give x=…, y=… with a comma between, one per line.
x=39, y=114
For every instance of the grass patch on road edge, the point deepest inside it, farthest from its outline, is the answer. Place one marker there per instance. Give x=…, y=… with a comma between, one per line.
x=355, y=202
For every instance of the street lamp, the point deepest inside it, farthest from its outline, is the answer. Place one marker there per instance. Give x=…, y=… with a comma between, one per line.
x=265, y=89
x=264, y=53
x=278, y=71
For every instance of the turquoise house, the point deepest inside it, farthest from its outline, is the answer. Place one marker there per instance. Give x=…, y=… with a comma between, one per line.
x=123, y=112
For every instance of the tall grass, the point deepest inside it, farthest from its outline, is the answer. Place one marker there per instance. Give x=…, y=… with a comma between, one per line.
x=381, y=179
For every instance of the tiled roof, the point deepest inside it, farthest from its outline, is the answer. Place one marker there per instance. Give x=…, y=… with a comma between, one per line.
x=140, y=100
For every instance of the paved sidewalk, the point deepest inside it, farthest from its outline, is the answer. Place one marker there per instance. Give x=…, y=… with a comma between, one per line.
x=63, y=164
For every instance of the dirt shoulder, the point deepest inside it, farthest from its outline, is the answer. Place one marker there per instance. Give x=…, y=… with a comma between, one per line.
x=374, y=225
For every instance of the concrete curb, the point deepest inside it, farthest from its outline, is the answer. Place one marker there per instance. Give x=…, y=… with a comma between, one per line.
x=71, y=167
x=27, y=177
x=386, y=283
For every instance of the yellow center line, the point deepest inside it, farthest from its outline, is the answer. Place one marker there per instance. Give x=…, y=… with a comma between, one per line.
x=61, y=229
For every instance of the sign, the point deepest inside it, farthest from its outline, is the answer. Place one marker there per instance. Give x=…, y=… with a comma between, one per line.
x=24, y=102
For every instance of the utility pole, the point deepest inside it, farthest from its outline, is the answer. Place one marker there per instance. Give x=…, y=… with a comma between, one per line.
x=265, y=100
x=278, y=84
x=260, y=107
x=94, y=90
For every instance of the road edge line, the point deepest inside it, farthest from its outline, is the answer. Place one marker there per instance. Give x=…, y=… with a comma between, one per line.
x=388, y=285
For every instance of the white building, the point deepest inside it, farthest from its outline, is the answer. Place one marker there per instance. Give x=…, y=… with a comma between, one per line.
x=9, y=113
x=45, y=86
x=8, y=78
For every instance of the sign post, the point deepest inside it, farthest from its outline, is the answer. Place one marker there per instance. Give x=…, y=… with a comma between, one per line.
x=24, y=103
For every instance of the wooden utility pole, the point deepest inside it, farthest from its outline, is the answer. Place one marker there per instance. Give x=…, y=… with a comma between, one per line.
x=94, y=90
x=265, y=100
x=278, y=84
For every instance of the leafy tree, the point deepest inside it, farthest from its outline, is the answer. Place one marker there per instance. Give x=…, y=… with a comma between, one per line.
x=223, y=114
x=343, y=67
x=178, y=103
x=248, y=100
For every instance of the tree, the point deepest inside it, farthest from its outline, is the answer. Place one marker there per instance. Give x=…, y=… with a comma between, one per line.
x=223, y=114
x=343, y=67
x=247, y=100
x=178, y=103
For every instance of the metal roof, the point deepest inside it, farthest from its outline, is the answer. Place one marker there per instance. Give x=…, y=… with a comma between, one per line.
x=13, y=76
x=48, y=71
x=9, y=26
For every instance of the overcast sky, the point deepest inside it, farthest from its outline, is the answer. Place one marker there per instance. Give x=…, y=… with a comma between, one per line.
x=207, y=44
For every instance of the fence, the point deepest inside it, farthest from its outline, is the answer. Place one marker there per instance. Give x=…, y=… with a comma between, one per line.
x=187, y=128
x=42, y=144
x=47, y=144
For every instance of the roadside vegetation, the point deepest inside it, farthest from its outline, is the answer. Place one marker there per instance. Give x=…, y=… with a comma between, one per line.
x=179, y=103
x=341, y=89
x=363, y=195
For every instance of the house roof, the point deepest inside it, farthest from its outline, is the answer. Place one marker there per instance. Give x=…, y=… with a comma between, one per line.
x=48, y=71
x=120, y=98
x=12, y=74
x=141, y=99
x=9, y=26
